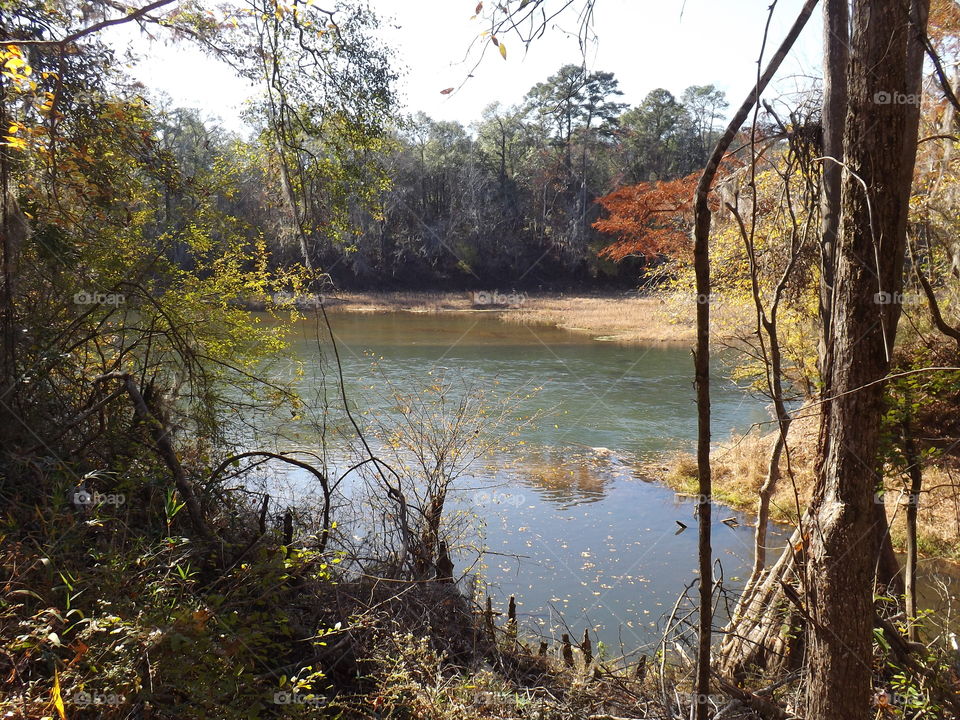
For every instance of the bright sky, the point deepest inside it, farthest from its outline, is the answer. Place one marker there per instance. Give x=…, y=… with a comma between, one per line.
x=646, y=43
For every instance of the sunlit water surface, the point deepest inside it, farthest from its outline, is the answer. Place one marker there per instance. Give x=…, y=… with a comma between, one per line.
x=569, y=524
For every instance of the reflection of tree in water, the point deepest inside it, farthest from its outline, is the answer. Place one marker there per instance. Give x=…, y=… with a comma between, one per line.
x=578, y=474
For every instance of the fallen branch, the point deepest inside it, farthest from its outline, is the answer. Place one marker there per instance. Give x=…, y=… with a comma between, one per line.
x=164, y=448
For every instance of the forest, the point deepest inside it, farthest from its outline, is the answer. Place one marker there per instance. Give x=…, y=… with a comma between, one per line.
x=333, y=417
x=512, y=198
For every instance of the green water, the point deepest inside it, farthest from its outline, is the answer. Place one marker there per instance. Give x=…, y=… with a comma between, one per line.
x=567, y=522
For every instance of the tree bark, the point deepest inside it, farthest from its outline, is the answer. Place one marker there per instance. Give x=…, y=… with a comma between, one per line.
x=915, y=473
x=763, y=507
x=880, y=150
x=836, y=36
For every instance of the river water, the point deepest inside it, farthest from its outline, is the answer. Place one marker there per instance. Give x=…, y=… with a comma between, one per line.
x=558, y=513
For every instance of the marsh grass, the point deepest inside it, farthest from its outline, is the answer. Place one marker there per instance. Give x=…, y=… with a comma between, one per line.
x=739, y=469
x=630, y=318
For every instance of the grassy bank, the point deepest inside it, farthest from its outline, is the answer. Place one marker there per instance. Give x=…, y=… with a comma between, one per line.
x=617, y=317
x=740, y=466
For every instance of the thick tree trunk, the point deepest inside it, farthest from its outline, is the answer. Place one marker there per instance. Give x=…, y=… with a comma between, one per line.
x=880, y=149
x=836, y=36
x=844, y=532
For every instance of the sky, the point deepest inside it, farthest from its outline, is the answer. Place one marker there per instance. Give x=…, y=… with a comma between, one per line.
x=647, y=44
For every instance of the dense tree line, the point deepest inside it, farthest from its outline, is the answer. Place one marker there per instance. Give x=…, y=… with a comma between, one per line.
x=509, y=199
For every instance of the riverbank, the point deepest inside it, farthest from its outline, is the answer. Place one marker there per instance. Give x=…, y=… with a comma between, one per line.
x=628, y=318
x=740, y=466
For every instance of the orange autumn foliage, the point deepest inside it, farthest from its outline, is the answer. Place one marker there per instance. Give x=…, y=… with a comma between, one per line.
x=649, y=219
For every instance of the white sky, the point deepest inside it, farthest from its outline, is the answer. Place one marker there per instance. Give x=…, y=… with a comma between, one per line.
x=646, y=43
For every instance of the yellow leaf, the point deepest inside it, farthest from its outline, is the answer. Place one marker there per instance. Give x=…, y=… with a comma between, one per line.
x=57, y=700
x=503, y=50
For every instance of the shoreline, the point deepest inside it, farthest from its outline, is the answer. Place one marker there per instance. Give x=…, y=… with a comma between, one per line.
x=629, y=318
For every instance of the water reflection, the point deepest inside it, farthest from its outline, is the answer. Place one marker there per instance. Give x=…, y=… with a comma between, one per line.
x=570, y=476
x=560, y=518
x=591, y=546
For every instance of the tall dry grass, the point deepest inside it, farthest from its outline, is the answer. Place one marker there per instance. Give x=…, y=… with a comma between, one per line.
x=740, y=466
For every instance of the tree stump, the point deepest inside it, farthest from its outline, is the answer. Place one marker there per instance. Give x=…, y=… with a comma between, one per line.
x=566, y=650
x=444, y=564
x=512, y=618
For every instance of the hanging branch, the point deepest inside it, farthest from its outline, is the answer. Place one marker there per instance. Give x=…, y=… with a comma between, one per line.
x=133, y=14
x=283, y=457
x=701, y=259
x=935, y=313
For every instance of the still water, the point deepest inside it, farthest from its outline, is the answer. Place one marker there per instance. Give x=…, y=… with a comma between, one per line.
x=569, y=524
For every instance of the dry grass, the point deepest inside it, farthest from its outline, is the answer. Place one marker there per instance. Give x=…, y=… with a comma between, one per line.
x=938, y=516
x=624, y=317
x=740, y=466
x=627, y=319
x=419, y=302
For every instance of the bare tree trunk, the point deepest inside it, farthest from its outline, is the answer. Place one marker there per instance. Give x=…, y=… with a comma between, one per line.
x=880, y=150
x=13, y=233
x=913, y=502
x=702, y=218
x=164, y=448
x=763, y=510
x=293, y=207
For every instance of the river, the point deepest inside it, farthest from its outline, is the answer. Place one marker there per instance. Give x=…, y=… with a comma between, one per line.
x=565, y=519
